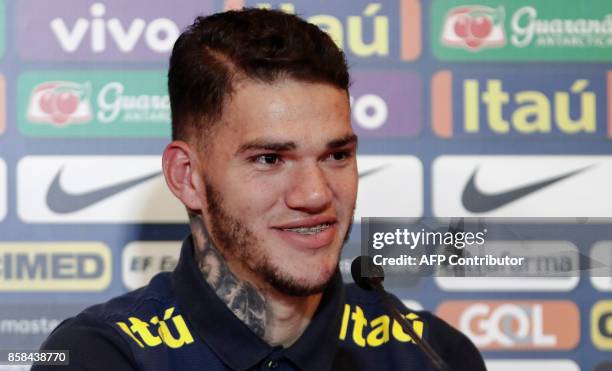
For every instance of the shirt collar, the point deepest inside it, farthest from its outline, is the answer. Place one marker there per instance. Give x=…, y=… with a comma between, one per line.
x=224, y=333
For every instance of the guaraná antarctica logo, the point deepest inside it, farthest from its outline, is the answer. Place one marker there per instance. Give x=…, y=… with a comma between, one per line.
x=60, y=103
x=522, y=30
x=474, y=27
x=104, y=104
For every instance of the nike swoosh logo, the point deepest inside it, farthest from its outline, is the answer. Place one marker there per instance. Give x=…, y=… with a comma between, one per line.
x=371, y=171
x=62, y=202
x=478, y=202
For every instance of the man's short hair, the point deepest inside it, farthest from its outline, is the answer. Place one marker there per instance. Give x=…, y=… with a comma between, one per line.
x=257, y=44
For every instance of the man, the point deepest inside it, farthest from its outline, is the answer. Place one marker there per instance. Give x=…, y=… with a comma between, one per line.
x=263, y=158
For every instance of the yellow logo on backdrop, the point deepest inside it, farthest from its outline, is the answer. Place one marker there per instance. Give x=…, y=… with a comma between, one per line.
x=55, y=266
x=601, y=324
x=377, y=331
x=349, y=34
x=535, y=112
x=139, y=331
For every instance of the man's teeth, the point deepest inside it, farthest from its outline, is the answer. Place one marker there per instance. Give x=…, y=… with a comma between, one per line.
x=309, y=230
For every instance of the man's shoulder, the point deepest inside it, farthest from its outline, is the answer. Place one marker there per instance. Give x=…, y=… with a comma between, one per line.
x=140, y=302
x=98, y=329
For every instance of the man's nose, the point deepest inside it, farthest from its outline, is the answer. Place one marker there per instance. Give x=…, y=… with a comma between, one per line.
x=309, y=189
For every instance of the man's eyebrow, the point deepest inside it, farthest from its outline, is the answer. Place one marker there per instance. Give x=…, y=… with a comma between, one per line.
x=266, y=145
x=269, y=145
x=337, y=143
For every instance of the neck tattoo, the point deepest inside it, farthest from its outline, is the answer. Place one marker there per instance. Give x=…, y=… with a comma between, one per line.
x=240, y=296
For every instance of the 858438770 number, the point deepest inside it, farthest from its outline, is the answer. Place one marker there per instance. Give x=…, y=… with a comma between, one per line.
x=56, y=357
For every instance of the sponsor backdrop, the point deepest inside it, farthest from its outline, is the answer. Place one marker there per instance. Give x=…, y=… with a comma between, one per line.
x=463, y=108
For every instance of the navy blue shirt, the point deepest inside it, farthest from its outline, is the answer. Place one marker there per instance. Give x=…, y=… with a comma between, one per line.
x=177, y=323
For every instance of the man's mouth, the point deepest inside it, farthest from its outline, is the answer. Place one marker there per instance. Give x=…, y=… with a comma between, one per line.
x=310, y=233
x=309, y=230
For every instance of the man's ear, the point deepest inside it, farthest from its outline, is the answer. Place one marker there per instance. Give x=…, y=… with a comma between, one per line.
x=181, y=170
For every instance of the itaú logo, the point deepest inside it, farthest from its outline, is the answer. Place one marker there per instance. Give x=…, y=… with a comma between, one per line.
x=374, y=332
x=156, y=331
x=547, y=325
x=362, y=31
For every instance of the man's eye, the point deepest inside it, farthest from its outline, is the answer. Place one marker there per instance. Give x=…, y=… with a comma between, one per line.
x=339, y=156
x=267, y=159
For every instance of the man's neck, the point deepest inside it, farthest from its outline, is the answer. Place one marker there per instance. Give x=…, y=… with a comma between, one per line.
x=277, y=318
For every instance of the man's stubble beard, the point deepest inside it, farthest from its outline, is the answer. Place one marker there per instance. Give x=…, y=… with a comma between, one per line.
x=236, y=241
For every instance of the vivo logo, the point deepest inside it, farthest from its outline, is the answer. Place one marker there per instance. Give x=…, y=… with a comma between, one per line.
x=103, y=30
x=370, y=111
x=159, y=34
x=386, y=104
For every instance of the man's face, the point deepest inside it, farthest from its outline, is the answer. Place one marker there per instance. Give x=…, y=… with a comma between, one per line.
x=281, y=182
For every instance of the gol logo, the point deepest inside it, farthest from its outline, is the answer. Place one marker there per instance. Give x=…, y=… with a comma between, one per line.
x=601, y=325
x=474, y=27
x=518, y=325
